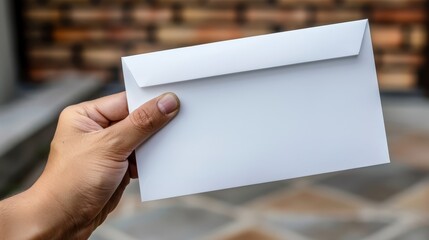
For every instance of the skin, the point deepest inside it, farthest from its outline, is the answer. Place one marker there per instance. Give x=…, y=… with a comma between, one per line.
x=88, y=168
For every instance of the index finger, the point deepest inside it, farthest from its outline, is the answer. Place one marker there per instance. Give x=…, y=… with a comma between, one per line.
x=111, y=108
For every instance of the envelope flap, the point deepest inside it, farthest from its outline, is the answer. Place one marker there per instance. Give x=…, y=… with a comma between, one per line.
x=247, y=54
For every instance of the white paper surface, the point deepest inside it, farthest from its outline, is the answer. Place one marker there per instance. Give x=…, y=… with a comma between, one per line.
x=260, y=109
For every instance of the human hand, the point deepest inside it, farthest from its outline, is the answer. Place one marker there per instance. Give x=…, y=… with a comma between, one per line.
x=87, y=169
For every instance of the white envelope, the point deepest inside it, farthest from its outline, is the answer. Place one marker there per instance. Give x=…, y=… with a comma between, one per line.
x=260, y=109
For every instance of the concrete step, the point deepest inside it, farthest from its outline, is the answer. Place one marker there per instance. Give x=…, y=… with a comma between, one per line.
x=26, y=124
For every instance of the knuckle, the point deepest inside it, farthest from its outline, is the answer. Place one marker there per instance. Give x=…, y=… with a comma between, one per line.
x=66, y=112
x=143, y=121
x=69, y=109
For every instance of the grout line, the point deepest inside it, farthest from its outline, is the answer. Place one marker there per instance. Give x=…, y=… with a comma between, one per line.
x=394, y=230
x=362, y=206
x=285, y=192
x=250, y=216
x=263, y=197
x=348, y=196
x=415, y=188
x=245, y=216
x=216, y=206
x=126, y=210
x=285, y=232
x=230, y=229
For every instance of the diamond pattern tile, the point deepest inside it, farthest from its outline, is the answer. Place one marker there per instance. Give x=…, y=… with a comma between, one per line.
x=304, y=207
x=95, y=236
x=411, y=148
x=310, y=201
x=416, y=201
x=243, y=195
x=419, y=233
x=377, y=183
x=173, y=222
x=322, y=228
x=251, y=234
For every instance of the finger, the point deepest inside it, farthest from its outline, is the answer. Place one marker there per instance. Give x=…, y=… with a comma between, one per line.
x=107, y=109
x=144, y=121
x=132, y=166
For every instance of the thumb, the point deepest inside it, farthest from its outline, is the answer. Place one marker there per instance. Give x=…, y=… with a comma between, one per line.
x=144, y=121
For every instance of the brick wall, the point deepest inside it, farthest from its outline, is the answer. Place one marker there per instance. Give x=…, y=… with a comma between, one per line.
x=91, y=35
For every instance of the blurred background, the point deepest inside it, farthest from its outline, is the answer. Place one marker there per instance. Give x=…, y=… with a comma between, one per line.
x=58, y=52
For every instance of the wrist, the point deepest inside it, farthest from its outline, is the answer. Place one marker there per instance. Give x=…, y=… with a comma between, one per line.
x=46, y=215
x=50, y=217
x=32, y=215
x=22, y=219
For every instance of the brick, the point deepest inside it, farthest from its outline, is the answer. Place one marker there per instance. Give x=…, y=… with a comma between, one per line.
x=83, y=34
x=193, y=14
x=141, y=48
x=102, y=57
x=50, y=53
x=337, y=15
x=42, y=14
x=297, y=16
x=78, y=34
x=397, y=80
x=46, y=74
x=95, y=14
x=384, y=3
x=184, y=2
x=386, y=37
x=59, y=2
x=251, y=234
x=184, y=35
x=321, y=3
x=125, y=34
x=399, y=15
x=402, y=59
x=106, y=30
x=235, y=2
x=418, y=37
x=144, y=14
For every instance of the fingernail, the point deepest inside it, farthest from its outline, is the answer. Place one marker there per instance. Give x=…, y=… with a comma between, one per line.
x=168, y=103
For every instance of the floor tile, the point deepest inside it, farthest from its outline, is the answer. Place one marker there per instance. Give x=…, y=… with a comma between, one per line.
x=376, y=183
x=106, y=232
x=416, y=201
x=251, y=234
x=173, y=222
x=323, y=228
x=243, y=195
x=310, y=201
x=96, y=237
x=419, y=233
x=411, y=148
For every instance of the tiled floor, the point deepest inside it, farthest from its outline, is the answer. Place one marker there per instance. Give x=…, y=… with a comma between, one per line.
x=386, y=202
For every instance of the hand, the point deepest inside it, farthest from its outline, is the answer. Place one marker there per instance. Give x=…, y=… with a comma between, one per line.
x=87, y=169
